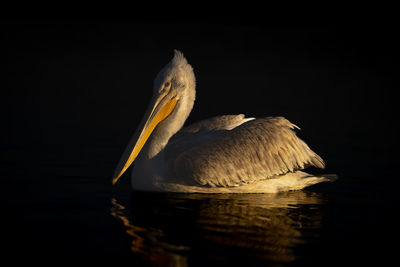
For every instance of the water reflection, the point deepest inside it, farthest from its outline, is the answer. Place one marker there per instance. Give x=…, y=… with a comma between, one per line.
x=190, y=229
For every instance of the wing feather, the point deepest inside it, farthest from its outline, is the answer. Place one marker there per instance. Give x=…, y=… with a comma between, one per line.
x=202, y=131
x=257, y=150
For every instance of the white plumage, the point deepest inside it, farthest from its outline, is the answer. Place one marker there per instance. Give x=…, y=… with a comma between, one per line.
x=225, y=154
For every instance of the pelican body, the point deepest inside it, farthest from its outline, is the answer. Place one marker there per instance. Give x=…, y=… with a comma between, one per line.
x=224, y=154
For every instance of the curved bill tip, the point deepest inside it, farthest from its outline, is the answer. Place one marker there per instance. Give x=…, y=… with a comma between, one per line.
x=114, y=180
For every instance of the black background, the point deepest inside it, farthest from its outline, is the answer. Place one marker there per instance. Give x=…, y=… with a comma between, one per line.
x=80, y=84
x=73, y=93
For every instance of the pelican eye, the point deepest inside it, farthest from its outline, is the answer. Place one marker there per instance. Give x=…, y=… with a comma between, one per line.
x=167, y=85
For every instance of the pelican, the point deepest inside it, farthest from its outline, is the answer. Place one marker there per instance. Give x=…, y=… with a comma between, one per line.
x=224, y=154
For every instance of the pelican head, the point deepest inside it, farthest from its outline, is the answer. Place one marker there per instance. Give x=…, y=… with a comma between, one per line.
x=172, y=101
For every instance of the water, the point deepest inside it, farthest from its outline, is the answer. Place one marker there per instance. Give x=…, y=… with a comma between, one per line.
x=74, y=93
x=59, y=210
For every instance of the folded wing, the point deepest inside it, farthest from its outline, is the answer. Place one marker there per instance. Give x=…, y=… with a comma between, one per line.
x=256, y=150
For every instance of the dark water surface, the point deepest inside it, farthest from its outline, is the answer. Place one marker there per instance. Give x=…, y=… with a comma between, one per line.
x=75, y=91
x=70, y=211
